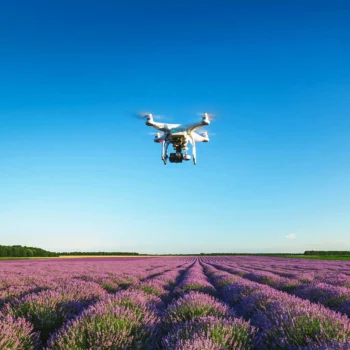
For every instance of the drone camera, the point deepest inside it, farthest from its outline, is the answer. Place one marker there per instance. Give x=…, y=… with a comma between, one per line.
x=175, y=158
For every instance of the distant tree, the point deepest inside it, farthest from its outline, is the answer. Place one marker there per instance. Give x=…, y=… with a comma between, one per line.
x=2, y=251
x=23, y=251
x=15, y=251
x=327, y=252
x=29, y=253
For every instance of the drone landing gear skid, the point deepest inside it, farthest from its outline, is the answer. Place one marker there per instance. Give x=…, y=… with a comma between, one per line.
x=194, y=152
x=165, y=156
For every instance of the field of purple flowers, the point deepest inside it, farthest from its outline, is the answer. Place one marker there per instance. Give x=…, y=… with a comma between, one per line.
x=183, y=303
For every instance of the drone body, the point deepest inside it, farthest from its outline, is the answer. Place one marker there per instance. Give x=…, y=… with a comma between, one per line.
x=179, y=135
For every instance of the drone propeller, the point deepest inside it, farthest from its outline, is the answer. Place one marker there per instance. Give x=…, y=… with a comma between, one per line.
x=148, y=114
x=160, y=133
x=144, y=114
x=209, y=133
x=209, y=115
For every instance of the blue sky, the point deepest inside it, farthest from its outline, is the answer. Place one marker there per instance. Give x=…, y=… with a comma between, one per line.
x=77, y=172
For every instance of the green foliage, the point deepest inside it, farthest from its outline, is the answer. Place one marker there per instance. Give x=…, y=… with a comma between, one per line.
x=328, y=252
x=24, y=252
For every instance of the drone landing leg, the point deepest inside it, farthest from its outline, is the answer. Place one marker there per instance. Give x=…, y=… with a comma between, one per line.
x=194, y=151
x=166, y=151
x=163, y=153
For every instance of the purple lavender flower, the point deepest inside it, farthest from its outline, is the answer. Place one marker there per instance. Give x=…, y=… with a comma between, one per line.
x=81, y=291
x=229, y=333
x=136, y=300
x=285, y=320
x=105, y=327
x=334, y=345
x=152, y=286
x=77, y=295
x=335, y=297
x=238, y=291
x=289, y=321
x=46, y=310
x=197, y=342
x=171, y=276
x=14, y=292
x=17, y=334
x=195, y=280
x=196, y=304
x=337, y=279
x=108, y=284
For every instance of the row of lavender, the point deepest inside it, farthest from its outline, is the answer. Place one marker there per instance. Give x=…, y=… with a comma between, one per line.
x=197, y=319
x=333, y=296
x=20, y=279
x=37, y=299
x=274, y=319
x=331, y=272
x=158, y=303
x=135, y=318
x=280, y=320
x=129, y=318
x=182, y=318
x=284, y=321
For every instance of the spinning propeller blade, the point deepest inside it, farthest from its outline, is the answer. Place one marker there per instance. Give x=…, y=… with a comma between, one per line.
x=142, y=114
x=209, y=133
x=161, y=133
x=209, y=115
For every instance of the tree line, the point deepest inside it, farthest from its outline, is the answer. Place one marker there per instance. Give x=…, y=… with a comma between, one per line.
x=18, y=251
x=24, y=252
x=328, y=252
x=28, y=252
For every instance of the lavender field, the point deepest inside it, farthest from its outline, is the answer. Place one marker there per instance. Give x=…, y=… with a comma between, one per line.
x=175, y=303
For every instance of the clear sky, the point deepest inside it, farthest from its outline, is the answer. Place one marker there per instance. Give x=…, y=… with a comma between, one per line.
x=78, y=172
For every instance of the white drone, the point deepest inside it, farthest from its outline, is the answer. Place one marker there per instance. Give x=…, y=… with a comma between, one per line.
x=179, y=135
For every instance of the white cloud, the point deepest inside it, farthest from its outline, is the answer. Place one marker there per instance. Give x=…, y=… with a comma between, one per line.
x=291, y=236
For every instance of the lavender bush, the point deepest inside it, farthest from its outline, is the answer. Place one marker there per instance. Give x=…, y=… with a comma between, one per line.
x=194, y=279
x=105, y=327
x=17, y=334
x=197, y=342
x=285, y=321
x=136, y=300
x=46, y=310
x=229, y=333
x=288, y=321
x=193, y=305
x=335, y=297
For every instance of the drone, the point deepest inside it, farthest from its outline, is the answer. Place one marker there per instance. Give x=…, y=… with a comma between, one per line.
x=179, y=135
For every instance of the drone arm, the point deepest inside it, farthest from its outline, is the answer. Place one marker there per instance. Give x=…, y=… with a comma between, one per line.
x=199, y=138
x=158, y=126
x=196, y=126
